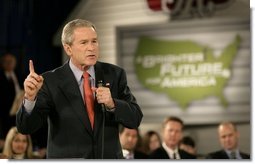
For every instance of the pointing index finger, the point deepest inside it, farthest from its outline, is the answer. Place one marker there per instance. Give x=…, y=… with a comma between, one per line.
x=31, y=66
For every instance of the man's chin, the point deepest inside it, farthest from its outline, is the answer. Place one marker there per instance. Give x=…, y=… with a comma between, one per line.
x=91, y=62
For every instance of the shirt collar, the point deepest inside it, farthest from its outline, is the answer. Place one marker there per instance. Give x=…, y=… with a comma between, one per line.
x=170, y=151
x=238, y=156
x=78, y=73
x=9, y=74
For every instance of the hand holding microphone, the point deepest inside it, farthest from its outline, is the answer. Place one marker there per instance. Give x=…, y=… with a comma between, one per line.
x=103, y=95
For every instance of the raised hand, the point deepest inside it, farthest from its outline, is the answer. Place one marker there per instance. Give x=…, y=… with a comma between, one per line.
x=32, y=83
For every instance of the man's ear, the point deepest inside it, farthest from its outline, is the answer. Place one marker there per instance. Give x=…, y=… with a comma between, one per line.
x=68, y=49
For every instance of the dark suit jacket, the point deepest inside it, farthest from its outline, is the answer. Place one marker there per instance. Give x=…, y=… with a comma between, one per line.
x=70, y=134
x=140, y=155
x=161, y=153
x=221, y=154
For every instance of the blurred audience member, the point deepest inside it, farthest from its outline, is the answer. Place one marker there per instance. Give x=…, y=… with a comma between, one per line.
x=18, y=146
x=129, y=141
x=171, y=135
x=229, y=138
x=188, y=144
x=10, y=87
x=1, y=144
x=2, y=156
x=151, y=141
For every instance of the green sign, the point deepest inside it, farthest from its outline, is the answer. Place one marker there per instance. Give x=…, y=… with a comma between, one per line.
x=184, y=70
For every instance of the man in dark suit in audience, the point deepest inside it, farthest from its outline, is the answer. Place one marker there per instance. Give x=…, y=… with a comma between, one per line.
x=228, y=137
x=171, y=134
x=10, y=86
x=130, y=141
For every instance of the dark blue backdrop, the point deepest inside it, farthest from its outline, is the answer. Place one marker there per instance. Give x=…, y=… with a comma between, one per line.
x=27, y=28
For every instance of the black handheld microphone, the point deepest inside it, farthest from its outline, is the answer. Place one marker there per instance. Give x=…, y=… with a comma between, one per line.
x=100, y=84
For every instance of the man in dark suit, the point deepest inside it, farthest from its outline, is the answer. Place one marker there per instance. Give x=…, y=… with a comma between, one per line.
x=131, y=141
x=58, y=95
x=10, y=86
x=171, y=135
x=222, y=154
x=228, y=137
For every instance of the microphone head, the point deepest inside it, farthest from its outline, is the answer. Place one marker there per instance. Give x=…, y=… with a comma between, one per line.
x=100, y=83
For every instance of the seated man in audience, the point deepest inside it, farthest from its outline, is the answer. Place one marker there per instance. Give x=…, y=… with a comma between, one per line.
x=129, y=140
x=171, y=136
x=228, y=137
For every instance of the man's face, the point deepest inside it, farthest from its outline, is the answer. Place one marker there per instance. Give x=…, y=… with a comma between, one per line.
x=172, y=134
x=128, y=139
x=9, y=63
x=84, y=50
x=228, y=137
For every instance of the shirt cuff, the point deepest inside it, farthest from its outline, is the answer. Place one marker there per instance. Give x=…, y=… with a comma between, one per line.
x=29, y=105
x=110, y=110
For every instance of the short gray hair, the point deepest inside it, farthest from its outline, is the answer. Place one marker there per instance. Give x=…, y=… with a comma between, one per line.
x=67, y=33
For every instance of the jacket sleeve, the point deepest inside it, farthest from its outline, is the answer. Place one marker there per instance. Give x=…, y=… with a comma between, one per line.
x=28, y=123
x=127, y=111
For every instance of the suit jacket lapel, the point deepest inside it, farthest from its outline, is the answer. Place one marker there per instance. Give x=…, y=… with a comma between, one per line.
x=71, y=90
x=101, y=74
x=98, y=109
